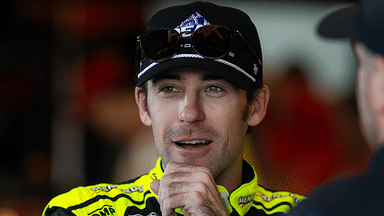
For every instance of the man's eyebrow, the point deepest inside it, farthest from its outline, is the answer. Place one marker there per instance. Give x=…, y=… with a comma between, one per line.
x=162, y=76
x=213, y=77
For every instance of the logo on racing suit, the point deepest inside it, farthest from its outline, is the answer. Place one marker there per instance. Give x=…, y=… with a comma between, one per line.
x=104, y=188
x=106, y=210
x=246, y=199
x=269, y=199
x=134, y=189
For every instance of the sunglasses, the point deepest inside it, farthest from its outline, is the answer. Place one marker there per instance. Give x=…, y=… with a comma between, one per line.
x=210, y=41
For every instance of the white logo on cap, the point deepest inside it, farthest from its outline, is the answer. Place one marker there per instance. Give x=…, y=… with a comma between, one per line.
x=255, y=69
x=192, y=23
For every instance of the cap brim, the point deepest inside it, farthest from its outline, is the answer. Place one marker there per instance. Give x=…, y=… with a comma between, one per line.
x=339, y=24
x=227, y=72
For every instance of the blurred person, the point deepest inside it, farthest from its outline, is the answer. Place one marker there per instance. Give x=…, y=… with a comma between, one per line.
x=364, y=25
x=200, y=89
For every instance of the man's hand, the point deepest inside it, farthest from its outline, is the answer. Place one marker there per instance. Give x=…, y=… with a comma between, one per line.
x=190, y=188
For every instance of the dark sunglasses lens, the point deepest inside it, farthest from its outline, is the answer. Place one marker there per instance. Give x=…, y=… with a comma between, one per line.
x=212, y=41
x=160, y=44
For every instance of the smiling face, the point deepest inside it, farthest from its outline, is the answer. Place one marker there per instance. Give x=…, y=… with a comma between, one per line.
x=198, y=118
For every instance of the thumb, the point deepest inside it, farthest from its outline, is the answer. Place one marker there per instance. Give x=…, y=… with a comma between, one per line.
x=155, y=184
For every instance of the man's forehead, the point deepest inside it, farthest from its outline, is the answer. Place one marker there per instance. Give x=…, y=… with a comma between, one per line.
x=182, y=73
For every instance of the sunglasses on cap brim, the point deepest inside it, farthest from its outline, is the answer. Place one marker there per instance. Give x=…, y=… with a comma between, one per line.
x=211, y=41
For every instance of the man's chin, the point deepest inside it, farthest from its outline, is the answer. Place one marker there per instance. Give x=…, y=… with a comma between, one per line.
x=187, y=161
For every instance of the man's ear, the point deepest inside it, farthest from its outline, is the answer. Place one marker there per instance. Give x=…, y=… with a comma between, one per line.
x=258, y=106
x=377, y=86
x=141, y=101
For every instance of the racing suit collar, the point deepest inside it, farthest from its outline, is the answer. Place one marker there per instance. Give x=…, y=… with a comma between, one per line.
x=240, y=199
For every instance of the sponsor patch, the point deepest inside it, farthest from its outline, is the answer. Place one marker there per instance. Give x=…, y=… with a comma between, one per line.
x=246, y=199
x=192, y=23
x=104, y=188
x=269, y=199
x=106, y=210
x=134, y=189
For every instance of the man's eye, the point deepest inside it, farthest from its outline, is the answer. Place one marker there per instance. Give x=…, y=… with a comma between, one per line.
x=169, y=89
x=214, y=89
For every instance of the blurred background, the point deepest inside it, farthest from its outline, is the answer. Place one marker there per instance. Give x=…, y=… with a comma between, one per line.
x=68, y=116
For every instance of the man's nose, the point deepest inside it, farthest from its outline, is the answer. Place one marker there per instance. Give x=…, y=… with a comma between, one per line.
x=190, y=109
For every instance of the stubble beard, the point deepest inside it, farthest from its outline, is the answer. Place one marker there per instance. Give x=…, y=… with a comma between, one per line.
x=221, y=161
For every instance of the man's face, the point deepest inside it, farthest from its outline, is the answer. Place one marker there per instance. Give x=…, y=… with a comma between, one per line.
x=197, y=118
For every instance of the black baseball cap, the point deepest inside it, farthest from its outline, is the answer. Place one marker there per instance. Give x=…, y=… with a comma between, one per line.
x=241, y=67
x=363, y=22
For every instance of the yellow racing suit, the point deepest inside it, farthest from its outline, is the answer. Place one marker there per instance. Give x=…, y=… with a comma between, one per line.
x=135, y=198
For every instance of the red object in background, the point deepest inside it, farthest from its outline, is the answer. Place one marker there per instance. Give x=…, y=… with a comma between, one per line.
x=94, y=18
x=104, y=16
x=103, y=71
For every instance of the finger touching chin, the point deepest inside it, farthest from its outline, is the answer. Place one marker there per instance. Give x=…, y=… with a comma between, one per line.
x=155, y=184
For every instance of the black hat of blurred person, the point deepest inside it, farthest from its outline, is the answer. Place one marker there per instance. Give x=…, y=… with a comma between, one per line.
x=240, y=67
x=363, y=22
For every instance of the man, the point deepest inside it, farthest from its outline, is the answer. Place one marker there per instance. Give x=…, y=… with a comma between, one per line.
x=200, y=89
x=363, y=195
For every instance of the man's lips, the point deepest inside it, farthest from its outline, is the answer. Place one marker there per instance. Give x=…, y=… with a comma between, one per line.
x=192, y=143
x=191, y=137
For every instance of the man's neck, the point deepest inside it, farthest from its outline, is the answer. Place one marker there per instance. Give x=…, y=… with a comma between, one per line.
x=231, y=178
